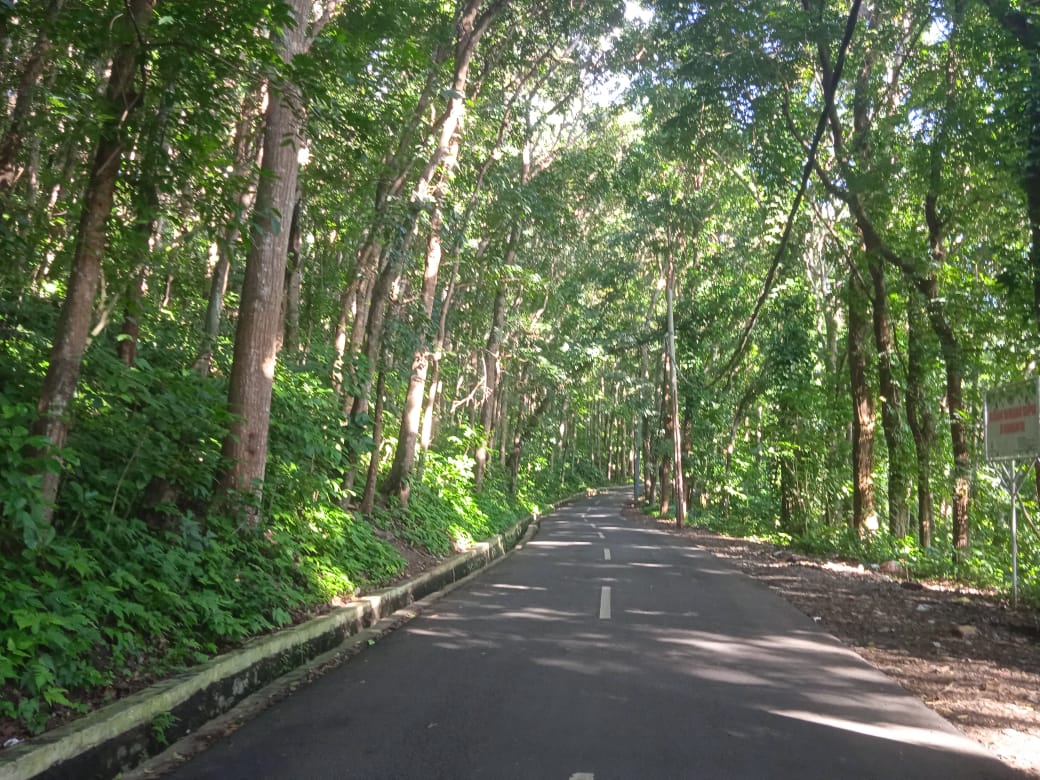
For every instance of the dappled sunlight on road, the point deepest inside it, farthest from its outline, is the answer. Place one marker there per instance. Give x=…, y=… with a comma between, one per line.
x=798, y=676
x=744, y=664
x=577, y=665
x=626, y=653
x=908, y=735
x=538, y=614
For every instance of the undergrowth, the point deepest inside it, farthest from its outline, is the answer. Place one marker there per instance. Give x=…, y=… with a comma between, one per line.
x=445, y=513
x=138, y=576
x=987, y=565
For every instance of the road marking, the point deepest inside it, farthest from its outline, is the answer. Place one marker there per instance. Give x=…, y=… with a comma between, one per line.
x=604, y=603
x=600, y=534
x=606, y=553
x=583, y=776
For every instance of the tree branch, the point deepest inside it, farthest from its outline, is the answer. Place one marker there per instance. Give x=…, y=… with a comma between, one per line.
x=828, y=107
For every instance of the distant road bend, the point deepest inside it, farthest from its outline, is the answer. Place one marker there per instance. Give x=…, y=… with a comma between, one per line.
x=602, y=650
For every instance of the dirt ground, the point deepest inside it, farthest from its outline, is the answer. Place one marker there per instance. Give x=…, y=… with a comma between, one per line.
x=966, y=653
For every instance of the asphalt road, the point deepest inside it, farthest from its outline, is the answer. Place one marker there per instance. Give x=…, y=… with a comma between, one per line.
x=602, y=650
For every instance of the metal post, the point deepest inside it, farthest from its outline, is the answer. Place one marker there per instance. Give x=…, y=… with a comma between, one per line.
x=1014, y=534
x=639, y=452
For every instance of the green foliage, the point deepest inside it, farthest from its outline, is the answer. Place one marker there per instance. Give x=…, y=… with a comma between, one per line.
x=130, y=589
x=127, y=600
x=988, y=566
x=445, y=514
x=23, y=468
x=160, y=724
x=159, y=425
x=137, y=576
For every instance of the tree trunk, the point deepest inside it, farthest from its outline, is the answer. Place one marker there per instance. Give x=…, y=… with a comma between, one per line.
x=70, y=341
x=218, y=285
x=789, y=504
x=673, y=380
x=370, y=286
x=347, y=315
x=436, y=384
x=919, y=416
x=130, y=331
x=928, y=286
x=503, y=424
x=368, y=498
x=375, y=310
x=891, y=405
x=664, y=471
x=664, y=478
x=259, y=325
x=525, y=425
x=949, y=345
x=646, y=437
x=952, y=354
x=953, y=358
x=293, y=282
x=147, y=229
x=514, y=462
x=864, y=512
x=491, y=371
x=397, y=481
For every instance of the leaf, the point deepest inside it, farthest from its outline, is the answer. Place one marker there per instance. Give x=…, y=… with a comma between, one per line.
x=53, y=695
x=42, y=676
x=280, y=617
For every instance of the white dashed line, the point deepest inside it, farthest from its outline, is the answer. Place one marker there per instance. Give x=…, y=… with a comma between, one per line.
x=583, y=776
x=604, y=603
x=606, y=553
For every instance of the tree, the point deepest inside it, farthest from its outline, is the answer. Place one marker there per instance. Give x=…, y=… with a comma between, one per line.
x=259, y=331
x=120, y=100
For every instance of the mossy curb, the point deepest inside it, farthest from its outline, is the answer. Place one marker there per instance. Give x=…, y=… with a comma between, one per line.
x=120, y=736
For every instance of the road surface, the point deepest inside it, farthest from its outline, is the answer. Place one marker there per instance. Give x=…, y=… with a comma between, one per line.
x=602, y=650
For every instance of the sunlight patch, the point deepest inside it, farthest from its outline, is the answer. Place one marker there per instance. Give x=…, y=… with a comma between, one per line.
x=910, y=735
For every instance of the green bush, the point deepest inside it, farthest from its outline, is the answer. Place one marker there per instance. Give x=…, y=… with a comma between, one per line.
x=445, y=513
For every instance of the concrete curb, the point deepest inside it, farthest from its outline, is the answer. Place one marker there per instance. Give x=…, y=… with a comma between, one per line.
x=118, y=737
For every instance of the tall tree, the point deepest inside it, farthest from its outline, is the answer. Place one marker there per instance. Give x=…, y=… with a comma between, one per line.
x=259, y=330
x=474, y=20
x=122, y=96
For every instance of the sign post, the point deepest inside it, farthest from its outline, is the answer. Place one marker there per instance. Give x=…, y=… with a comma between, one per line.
x=1013, y=438
x=637, y=475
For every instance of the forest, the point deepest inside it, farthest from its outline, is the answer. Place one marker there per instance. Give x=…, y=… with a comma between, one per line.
x=294, y=291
